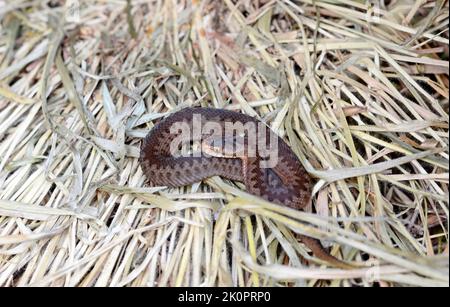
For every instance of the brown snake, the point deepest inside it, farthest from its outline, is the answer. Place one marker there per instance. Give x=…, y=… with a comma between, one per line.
x=287, y=183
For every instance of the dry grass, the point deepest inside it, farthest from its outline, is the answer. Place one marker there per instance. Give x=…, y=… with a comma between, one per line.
x=359, y=92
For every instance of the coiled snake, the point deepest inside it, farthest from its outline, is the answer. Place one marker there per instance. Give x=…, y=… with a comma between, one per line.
x=285, y=183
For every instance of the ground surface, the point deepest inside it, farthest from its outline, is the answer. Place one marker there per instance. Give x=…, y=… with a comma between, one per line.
x=360, y=92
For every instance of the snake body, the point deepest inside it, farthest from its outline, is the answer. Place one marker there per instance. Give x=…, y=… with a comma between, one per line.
x=286, y=183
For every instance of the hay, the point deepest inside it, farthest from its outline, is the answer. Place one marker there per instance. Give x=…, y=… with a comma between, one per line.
x=359, y=91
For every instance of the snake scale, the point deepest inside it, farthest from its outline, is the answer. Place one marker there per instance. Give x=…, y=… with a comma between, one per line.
x=286, y=183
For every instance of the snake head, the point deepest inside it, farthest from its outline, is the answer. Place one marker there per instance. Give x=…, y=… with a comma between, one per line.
x=228, y=147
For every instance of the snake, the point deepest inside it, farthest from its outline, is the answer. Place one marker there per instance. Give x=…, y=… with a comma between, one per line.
x=227, y=148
